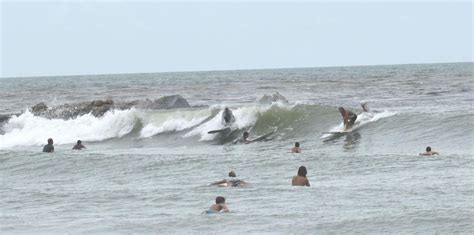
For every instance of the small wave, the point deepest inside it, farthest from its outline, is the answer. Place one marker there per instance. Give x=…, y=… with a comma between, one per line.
x=245, y=117
x=362, y=120
x=168, y=121
x=29, y=130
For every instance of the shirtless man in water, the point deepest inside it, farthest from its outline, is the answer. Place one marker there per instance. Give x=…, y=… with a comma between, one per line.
x=297, y=148
x=218, y=207
x=300, y=179
x=429, y=152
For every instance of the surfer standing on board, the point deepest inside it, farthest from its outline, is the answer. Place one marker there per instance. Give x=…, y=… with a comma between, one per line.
x=227, y=117
x=348, y=118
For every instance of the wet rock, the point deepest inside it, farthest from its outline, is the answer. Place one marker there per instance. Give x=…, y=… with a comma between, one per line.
x=99, y=107
x=276, y=97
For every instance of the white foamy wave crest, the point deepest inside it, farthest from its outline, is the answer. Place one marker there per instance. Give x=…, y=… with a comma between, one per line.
x=362, y=120
x=30, y=130
x=244, y=117
x=172, y=121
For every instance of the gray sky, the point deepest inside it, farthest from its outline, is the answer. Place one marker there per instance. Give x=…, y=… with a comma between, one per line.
x=68, y=38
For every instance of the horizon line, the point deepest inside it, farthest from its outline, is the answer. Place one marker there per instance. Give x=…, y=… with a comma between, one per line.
x=229, y=70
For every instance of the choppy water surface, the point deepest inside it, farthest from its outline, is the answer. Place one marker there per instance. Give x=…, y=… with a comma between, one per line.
x=148, y=171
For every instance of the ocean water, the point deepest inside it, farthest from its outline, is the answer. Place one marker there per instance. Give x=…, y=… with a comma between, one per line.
x=148, y=171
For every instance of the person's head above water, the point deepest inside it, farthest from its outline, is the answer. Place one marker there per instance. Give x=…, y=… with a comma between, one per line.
x=232, y=174
x=50, y=141
x=297, y=144
x=428, y=149
x=302, y=171
x=79, y=142
x=220, y=200
x=364, y=106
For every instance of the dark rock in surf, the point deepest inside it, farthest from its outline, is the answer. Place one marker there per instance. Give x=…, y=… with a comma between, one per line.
x=4, y=118
x=276, y=97
x=171, y=102
x=40, y=107
x=99, y=107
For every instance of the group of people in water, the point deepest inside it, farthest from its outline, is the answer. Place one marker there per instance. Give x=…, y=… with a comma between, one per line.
x=349, y=119
x=49, y=148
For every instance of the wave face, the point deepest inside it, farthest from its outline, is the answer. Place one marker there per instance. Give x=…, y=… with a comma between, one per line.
x=191, y=126
x=29, y=130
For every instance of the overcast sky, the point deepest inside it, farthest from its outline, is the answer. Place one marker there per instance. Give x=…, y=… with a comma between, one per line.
x=71, y=38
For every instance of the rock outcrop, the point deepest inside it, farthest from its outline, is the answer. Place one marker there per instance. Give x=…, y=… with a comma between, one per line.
x=100, y=107
x=276, y=97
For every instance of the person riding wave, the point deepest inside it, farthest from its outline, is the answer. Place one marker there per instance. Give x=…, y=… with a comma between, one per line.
x=227, y=117
x=348, y=117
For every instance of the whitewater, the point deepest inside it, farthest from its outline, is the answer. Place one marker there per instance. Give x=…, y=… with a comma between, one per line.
x=148, y=170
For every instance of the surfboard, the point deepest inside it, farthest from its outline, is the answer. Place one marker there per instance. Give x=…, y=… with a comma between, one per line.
x=336, y=132
x=262, y=137
x=218, y=131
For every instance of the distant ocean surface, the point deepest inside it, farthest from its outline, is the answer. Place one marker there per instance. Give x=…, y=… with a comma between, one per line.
x=148, y=171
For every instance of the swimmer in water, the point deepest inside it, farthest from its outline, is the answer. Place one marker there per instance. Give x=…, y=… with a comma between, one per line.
x=49, y=148
x=429, y=152
x=78, y=146
x=300, y=179
x=218, y=207
x=297, y=148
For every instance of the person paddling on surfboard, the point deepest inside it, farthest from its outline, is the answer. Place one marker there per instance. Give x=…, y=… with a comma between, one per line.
x=220, y=206
x=297, y=148
x=227, y=117
x=231, y=181
x=348, y=118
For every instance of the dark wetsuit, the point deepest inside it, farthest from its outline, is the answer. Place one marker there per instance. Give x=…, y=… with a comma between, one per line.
x=49, y=148
x=227, y=116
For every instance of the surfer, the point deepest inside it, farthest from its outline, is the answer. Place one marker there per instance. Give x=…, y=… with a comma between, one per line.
x=78, y=146
x=227, y=117
x=300, y=179
x=219, y=206
x=297, y=148
x=348, y=118
x=49, y=148
x=365, y=107
x=245, y=138
x=429, y=152
x=231, y=181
